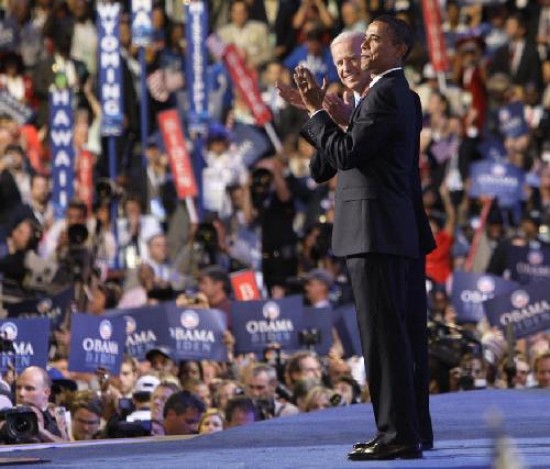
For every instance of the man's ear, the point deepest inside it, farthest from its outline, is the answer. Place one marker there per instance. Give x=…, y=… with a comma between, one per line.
x=402, y=49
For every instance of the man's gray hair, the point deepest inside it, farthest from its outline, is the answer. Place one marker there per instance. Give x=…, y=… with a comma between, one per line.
x=348, y=36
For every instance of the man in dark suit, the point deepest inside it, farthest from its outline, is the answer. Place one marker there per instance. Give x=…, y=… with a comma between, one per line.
x=377, y=228
x=519, y=57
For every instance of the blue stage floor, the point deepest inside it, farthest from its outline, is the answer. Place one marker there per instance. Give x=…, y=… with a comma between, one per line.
x=322, y=439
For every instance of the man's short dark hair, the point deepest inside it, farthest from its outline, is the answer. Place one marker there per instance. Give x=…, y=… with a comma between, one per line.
x=86, y=401
x=180, y=401
x=242, y=403
x=79, y=205
x=217, y=274
x=401, y=30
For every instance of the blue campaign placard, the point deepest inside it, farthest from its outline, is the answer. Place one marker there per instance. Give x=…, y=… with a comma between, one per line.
x=96, y=341
x=470, y=290
x=530, y=263
x=29, y=340
x=61, y=123
x=258, y=324
x=527, y=309
x=345, y=321
x=110, y=69
x=142, y=22
x=11, y=106
x=251, y=143
x=492, y=148
x=320, y=320
x=195, y=333
x=54, y=307
x=499, y=180
x=196, y=64
x=146, y=328
x=511, y=119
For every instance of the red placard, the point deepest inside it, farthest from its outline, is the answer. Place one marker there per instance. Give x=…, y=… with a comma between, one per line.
x=180, y=162
x=436, y=41
x=245, y=286
x=242, y=77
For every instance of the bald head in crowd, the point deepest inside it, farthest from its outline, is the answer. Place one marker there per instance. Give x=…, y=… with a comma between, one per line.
x=34, y=387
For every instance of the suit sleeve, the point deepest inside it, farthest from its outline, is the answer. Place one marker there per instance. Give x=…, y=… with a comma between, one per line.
x=426, y=239
x=369, y=130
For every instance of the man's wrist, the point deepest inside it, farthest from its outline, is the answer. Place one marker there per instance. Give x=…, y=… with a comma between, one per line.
x=315, y=111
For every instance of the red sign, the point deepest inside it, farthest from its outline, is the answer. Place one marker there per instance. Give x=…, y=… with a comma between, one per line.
x=436, y=42
x=242, y=77
x=85, y=177
x=180, y=162
x=245, y=286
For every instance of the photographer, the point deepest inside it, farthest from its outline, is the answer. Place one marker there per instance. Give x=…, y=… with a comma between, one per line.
x=33, y=389
x=260, y=385
x=13, y=181
x=22, y=239
x=274, y=209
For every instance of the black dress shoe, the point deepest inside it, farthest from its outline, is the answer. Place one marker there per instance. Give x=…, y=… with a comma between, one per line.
x=427, y=445
x=384, y=451
x=367, y=444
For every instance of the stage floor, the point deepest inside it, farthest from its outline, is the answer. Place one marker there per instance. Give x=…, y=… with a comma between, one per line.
x=463, y=439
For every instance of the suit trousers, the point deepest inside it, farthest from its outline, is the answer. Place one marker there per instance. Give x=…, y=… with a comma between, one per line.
x=380, y=285
x=417, y=327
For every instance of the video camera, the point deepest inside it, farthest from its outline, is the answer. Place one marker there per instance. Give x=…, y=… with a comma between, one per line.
x=260, y=185
x=20, y=425
x=449, y=342
x=107, y=191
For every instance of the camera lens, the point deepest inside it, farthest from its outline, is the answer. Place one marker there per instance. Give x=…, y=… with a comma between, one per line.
x=22, y=425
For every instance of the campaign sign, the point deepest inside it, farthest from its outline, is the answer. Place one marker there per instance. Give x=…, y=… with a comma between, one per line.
x=498, y=180
x=176, y=147
x=14, y=108
x=470, y=290
x=318, y=321
x=196, y=334
x=492, y=148
x=243, y=79
x=244, y=285
x=142, y=22
x=62, y=149
x=53, y=307
x=527, y=309
x=110, y=70
x=258, y=324
x=196, y=63
x=96, y=341
x=511, y=119
x=146, y=328
x=30, y=343
x=250, y=142
x=528, y=264
x=434, y=34
x=345, y=321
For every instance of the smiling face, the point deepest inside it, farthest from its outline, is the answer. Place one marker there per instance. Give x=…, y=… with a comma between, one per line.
x=380, y=50
x=347, y=59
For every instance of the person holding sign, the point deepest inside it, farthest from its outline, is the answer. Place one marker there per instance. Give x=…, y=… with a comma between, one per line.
x=374, y=228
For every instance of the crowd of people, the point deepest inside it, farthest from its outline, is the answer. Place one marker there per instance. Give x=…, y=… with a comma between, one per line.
x=260, y=208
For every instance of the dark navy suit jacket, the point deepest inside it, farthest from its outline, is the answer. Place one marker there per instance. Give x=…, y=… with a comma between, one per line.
x=378, y=199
